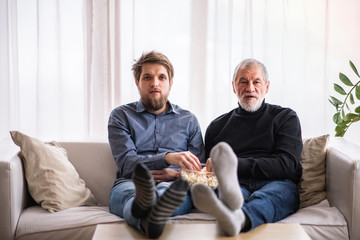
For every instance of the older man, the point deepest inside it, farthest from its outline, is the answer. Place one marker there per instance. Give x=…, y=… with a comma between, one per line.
x=254, y=151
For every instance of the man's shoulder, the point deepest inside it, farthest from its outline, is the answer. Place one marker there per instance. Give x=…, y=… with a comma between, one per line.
x=184, y=112
x=223, y=117
x=277, y=109
x=126, y=107
x=282, y=115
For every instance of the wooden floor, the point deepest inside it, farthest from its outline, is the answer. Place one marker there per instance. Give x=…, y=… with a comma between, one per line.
x=273, y=231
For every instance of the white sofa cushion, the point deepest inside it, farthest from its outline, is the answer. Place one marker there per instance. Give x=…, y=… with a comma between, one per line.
x=36, y=219
x=321, y=221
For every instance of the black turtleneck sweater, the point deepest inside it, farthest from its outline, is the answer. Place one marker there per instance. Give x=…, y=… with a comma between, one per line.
x=267, y=142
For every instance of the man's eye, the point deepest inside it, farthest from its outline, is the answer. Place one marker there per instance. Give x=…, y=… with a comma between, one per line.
x=162, y=78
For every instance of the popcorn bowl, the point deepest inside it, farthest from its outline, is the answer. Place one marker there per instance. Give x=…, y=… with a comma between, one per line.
x=204, y=177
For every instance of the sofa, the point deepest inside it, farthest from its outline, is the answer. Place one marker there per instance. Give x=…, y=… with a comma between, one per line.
x=335, y=217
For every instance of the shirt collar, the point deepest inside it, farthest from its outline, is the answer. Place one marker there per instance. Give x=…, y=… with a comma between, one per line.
x=172, y=109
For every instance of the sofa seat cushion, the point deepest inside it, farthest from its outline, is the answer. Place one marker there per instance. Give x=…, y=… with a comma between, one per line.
x=36, y=219
x=320, y=221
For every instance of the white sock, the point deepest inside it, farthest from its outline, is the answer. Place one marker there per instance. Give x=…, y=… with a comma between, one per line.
x=225, y=162
x=230, y=221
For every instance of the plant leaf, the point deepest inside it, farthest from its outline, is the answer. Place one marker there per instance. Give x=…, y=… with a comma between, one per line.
x=339, y=89
x=340, y=134
x=352, y=99
x=350, y=116
x=343, y=124
x=337, y=118
x=340, y=130
x=357, y=92
x=356, y=119
x=347, y=106
x=354, y=68
x=343, y=113
x=345, y=79
x=332, y=103
x=357, y=110
x=335, y=100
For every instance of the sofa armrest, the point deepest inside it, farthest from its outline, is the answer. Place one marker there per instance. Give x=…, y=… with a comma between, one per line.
x=342, y=181
x=12, y=189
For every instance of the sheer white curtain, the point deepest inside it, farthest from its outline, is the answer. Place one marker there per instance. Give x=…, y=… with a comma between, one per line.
x=55, y=68
x=65, y=64
x=42, y=69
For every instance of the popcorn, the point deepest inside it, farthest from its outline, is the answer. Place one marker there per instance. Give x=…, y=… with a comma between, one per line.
x=203, y=176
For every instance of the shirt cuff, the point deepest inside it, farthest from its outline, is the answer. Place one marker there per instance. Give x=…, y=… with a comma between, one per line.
x=159, y=161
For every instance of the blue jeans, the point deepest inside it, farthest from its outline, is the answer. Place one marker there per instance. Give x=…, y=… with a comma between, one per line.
x=122, y=197
x=268, y=201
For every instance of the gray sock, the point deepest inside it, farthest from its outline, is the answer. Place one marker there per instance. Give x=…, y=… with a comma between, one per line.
x=172, y=198
x=230, y=221
x=145, y=194
x=225, y=162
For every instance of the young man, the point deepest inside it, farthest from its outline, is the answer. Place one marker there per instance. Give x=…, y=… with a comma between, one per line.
x=148, y=138
x=254, y=151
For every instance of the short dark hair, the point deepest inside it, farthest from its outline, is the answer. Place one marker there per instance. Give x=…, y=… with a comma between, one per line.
x=152, y=57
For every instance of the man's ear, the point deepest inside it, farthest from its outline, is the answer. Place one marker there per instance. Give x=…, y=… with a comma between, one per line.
x=171, y=83
x=233, y=85
x=267, y=86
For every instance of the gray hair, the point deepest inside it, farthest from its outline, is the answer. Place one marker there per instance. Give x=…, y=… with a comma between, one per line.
x=249, y=62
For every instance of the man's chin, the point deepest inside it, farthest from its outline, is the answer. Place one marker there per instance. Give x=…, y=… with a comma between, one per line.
x=250, y=106
x=154, y=105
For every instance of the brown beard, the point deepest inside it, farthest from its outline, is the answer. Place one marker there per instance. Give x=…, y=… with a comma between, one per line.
x=153, y=105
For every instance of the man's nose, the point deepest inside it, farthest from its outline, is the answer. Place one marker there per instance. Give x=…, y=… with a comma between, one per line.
x=155, y=81
x=250, y=87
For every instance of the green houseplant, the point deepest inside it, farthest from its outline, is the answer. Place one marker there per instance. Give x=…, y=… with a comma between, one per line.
x=348, y=109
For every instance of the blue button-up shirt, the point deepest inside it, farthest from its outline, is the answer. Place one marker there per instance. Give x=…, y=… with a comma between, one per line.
x=137, y=135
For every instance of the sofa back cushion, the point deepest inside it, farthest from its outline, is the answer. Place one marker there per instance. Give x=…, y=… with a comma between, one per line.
x=312, y=182
x=95, y=164
x=52, y=180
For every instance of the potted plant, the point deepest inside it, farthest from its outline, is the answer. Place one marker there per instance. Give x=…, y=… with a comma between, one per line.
x=348, y=109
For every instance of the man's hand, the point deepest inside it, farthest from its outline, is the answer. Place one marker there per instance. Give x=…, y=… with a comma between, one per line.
x=209, y=165
x=185, y=160
x=164, y=175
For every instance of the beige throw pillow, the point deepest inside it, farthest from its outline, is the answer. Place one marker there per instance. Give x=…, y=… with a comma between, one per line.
x=52, y=180
x=312, y=182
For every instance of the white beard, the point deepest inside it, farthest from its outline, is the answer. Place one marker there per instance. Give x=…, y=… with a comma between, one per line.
x=251, y=106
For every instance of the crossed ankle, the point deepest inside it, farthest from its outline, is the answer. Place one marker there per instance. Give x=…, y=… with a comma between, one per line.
x=167, y=203
x=145, y=194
